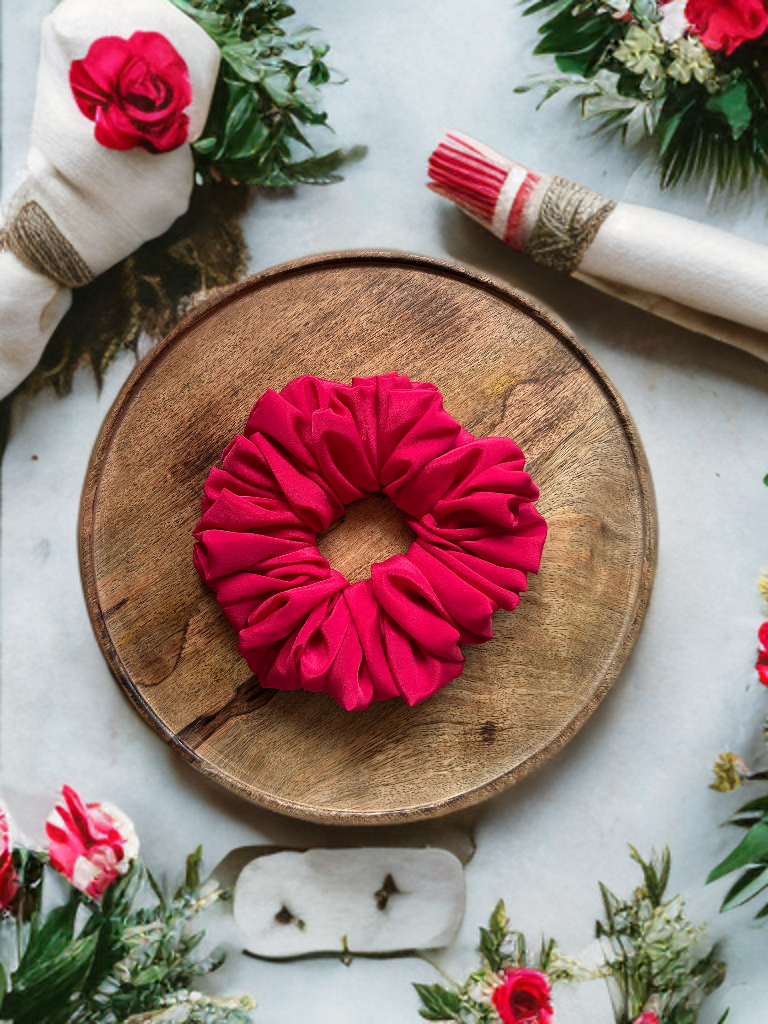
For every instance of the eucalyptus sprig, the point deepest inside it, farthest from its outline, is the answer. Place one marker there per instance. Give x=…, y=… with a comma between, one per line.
x=654, y=954
x=267, y=94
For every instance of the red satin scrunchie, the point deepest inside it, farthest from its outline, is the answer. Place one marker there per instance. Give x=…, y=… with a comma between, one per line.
x=308, y=452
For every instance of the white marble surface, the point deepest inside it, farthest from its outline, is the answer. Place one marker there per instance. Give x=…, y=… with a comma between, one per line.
x=638, y=771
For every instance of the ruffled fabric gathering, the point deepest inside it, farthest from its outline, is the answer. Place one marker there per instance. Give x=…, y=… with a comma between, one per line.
x=308, y=452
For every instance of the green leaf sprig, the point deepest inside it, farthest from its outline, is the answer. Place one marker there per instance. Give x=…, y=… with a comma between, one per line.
x=654, y=954
x=131, y=957
x=705, y=114
x=500, y=948
x=266, y=96
x=653, y=958
x=750, y=856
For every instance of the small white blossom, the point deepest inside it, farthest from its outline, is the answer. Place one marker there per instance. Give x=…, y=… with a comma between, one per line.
x=691, y=60
x=674, y=23
x=619, y=8
x=640, y=51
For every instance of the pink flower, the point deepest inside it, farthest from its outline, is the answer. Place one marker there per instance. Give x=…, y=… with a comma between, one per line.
x=762, y=654
x=523, y=997
x=9, y=880
x=91, y=844
x=649, y=1017
x=136, y=90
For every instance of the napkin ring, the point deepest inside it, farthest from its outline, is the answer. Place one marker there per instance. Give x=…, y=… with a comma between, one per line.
x=569, y=218
x=33, y=237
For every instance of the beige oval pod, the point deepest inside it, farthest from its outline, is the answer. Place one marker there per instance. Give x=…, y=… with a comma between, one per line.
x=369, y=900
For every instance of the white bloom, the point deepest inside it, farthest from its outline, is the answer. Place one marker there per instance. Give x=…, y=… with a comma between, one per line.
x=674, y=23
x=620, y=8
x=640, y=49
x=126, y=829
x=692, y=60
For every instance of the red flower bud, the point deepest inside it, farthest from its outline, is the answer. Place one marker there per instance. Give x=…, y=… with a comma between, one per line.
x=523, y=997
x=649, y=1017
x=762, y=654
x=9, y=881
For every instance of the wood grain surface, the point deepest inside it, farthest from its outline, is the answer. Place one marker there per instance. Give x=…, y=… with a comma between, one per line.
x=505, y=368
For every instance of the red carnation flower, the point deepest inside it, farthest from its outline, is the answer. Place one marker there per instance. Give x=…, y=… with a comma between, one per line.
x=726, y=24
x=136, y=90
x=90, y=844
x=523, y=997
x=762, y=654
x=9, y=880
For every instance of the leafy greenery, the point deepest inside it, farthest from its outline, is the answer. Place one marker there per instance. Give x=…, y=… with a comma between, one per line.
x=146, y=294
x=705, y=114
x=500, y=949
x=266, y=96
x=267, y=93
x=131, y=957
x=653, y=953
x=654, y=958
x=750, y=856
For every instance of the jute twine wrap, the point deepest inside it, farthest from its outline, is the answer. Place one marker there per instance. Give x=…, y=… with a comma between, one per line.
x=33, y=237
x=569, y=218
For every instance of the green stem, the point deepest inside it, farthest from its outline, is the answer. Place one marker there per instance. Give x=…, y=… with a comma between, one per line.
x=342, y=954
x=19, y=939
x=423, y=956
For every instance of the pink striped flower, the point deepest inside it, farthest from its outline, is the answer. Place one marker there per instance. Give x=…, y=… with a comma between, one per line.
x=90, y=844
x=9, y=881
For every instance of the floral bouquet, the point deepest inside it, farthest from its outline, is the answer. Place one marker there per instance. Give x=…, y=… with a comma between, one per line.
x=117, y=949
x=690, y=75
x=654, y=960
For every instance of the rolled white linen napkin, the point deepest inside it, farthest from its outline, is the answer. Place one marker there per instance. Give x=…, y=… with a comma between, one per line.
x=84, y=206
x=691, y=273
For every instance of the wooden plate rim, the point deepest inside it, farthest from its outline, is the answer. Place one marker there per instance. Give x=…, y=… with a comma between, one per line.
x=90, y=493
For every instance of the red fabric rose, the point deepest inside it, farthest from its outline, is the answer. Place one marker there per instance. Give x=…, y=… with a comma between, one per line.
x=136, y=90
x=91, y=844
x=9, y=881
x=762, y=654
x=523, y=997
x=726, y=24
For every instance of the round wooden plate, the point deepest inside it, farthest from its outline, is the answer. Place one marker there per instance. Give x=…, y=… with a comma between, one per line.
x=505, y=368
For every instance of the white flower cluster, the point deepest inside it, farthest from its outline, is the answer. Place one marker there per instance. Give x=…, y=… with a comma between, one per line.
x=647, y=49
